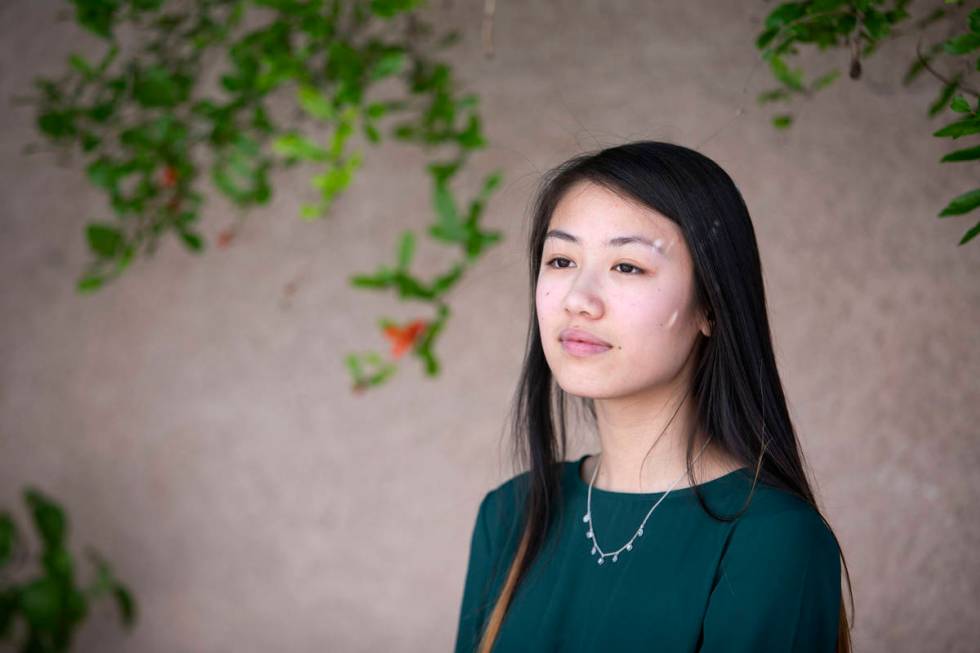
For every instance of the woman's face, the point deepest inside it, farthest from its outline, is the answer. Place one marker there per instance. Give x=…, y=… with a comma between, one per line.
x=637, y=296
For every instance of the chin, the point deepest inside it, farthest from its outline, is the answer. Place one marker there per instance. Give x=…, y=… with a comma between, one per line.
x=585, y=388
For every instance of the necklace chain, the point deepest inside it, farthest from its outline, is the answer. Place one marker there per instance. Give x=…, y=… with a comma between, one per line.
x=639, y=532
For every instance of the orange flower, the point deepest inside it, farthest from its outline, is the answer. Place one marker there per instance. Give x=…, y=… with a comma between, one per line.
x=403, y=338
x=169, y=176
x=225, y=237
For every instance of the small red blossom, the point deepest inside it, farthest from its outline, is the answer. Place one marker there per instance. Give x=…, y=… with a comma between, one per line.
x=169, y=176
x=403, y=338
x=225, y=237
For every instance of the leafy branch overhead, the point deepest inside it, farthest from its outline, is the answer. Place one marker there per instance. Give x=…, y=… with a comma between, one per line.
x=42, y=613
x=860, y=26
x=151, y=132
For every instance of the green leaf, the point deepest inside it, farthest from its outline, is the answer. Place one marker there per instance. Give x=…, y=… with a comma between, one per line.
x=372, y=133
x=782, y=121
x=192, y=240
x=102, y=173
x=446, y=211
x=974, y=21
x=490, y=182
x=315, y=103
x=58, y=564
x=471, y=138
x=76, y=607
x=293, y=145
x=241, y=172
x=376, y=110
x=825, y=80
x=967, y=154
x=959, y=128
x=920, y=64
x=446, y=281
x=960, y=105
x=443, y=171
x=944, y=96
x=791, y=78
x=97, y=16
x=40, y=603
x=963, y=43
x=336, y=178
x=968, y=236
x=78, y=62
x=390, y=8
x=390, y=63
x=962, y=203
x=49, y=518
x=126, y=604
x=156, y=86
x=774, y=95
x=766, y=37
x=104, y=239
x=90, y=283
x=405, y=250
x=784, y=13
x=8, y=536
x=57, y=124
x=310, y=212
x=384, y=278
x=875, y=24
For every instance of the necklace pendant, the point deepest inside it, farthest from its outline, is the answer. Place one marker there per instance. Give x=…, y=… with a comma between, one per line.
x=586, y=518
x=589, y=534
x=602, y=559
x=640, y=532
x=615, y=558
x=593, y=550
x=629, y=547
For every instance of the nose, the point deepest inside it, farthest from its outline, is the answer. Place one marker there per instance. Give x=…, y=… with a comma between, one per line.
x=583, y=300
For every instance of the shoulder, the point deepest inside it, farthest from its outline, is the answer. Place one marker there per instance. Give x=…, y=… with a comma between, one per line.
x=779, y=527
x=777, y=584
x=502, y=507
x=502, y=501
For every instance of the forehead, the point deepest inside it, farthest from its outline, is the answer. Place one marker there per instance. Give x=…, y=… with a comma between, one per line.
x=592, y=211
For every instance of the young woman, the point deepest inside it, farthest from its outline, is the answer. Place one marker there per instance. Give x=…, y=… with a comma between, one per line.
x=694, y=528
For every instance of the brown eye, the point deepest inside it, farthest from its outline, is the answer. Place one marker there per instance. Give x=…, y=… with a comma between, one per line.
x=638, y=270
x=557, y=258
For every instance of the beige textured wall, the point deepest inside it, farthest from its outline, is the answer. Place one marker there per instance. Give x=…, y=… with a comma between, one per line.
x=203, y=436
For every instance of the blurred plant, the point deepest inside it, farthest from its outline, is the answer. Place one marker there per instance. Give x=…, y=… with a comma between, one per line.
x=51, y=607
x=861, y=26
x=147, y=130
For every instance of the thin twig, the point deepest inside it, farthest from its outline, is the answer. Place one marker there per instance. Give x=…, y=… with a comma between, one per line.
x=489, y=8
x=942, y=78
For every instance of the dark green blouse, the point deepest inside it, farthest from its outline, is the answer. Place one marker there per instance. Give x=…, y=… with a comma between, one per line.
x=769, y=581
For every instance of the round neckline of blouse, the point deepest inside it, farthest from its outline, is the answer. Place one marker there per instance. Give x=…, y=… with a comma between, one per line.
x=575, y=469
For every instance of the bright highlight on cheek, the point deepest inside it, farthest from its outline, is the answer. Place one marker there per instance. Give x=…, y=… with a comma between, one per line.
x=673, y=319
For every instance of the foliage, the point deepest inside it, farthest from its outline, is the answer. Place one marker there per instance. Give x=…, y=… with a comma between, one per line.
x=50, y=606
x=861, y=26
x=150, y=130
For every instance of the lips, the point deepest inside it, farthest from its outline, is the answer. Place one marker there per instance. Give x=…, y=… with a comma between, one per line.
x=580, y=335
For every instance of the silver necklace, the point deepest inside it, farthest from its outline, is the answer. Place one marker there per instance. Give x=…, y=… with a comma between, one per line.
x=639, y=532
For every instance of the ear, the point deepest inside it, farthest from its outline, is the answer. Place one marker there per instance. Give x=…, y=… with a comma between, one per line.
x=707, y=324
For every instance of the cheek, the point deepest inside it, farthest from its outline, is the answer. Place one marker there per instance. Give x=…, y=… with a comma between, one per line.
x=654, y=318
x=546, y=299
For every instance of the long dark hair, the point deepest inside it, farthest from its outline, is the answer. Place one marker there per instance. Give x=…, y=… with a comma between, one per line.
x=736, y=385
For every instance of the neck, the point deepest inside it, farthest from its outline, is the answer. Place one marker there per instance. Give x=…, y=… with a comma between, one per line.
x=644, y=442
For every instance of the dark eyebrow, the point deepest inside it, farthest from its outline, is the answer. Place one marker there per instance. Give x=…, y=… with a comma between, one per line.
x=613, y=242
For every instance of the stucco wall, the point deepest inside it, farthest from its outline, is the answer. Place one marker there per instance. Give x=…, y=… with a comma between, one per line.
x=202, y=434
